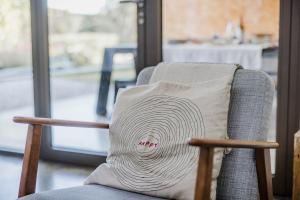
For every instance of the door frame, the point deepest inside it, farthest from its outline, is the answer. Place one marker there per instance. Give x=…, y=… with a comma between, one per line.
x=149, y=25
x=288, y=110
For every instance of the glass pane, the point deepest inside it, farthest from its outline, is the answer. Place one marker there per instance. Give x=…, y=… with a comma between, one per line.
x=233, y=31
x=84, y=36
x=16, y=86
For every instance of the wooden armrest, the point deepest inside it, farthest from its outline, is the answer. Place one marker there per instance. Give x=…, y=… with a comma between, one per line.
x=33, y=143
x=205, y=164
x=59, y=122
x=233, y=143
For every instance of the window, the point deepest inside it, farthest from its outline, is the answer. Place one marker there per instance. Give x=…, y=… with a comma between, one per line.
x=16, y=84
x=80, y=35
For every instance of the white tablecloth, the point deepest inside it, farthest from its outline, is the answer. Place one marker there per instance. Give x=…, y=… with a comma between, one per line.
x=249, y=56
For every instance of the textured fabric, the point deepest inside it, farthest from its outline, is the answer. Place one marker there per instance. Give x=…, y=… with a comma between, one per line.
x=250, y=107
x=189, y=73
x=251, y=103
x=88, y=192
x=151, y=124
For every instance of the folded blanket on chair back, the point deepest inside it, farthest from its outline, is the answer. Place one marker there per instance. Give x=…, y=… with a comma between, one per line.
x=151, y=125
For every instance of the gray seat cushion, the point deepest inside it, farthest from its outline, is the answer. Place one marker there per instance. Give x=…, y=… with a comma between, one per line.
x=88, y=192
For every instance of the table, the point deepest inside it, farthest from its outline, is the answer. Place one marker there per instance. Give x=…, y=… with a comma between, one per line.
x=247, y=55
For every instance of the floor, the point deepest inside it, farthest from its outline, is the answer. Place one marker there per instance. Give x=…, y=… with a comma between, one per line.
x=50, y=176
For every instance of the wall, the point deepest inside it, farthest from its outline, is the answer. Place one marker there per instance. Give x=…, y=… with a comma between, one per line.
x=197, y=19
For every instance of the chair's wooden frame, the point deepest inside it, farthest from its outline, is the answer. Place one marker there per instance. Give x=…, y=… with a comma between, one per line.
x=203, y=184
x=263, y=164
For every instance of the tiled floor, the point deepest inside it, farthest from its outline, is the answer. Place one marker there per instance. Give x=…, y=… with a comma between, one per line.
x=50, y=176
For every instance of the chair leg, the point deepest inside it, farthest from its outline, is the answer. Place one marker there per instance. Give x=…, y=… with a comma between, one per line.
x=264, y=174
x=30, y=160
x=204, y=173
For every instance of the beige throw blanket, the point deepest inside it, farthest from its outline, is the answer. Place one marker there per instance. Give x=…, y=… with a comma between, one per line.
x=151, y=125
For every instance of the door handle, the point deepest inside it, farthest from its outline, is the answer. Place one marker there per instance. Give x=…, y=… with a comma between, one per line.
x=140, y=10
x=132, y=1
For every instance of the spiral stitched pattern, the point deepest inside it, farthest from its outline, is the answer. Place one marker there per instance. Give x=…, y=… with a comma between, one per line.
x=149, y=150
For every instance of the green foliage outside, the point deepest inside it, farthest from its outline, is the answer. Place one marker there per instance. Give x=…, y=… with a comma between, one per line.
x=75, y=40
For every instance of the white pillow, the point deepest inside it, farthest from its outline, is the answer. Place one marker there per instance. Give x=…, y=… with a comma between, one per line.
x=151, y=124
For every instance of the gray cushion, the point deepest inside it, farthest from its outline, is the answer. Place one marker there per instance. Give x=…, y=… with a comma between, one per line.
x=250, y=108
x=88, y=192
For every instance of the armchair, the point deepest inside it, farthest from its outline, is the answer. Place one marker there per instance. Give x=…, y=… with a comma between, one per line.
x=245, y=171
